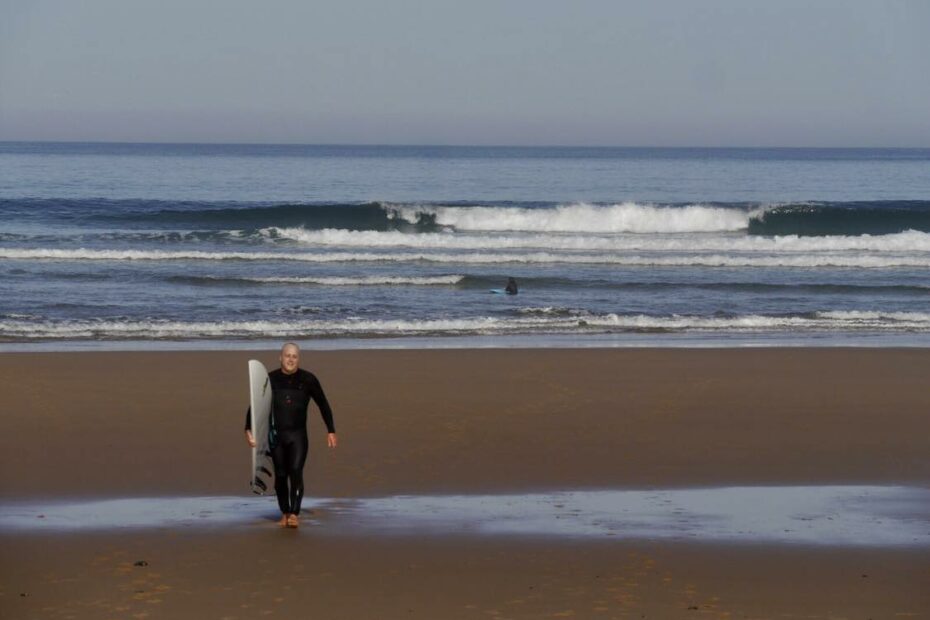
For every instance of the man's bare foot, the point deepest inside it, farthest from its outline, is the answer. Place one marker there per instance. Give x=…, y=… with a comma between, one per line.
x=293, y=521
x=284, y=521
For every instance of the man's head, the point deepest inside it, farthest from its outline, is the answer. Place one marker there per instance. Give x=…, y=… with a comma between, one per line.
x=290, y=358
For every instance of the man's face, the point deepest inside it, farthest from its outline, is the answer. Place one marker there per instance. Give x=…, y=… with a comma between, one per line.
x=290, y=358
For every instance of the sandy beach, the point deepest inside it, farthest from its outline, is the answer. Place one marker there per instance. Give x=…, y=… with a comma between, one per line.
x=169, y=424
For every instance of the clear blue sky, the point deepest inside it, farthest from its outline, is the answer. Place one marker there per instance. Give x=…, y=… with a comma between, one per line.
x=588, y=72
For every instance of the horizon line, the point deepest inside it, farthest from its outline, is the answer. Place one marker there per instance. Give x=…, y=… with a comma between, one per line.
x=450, y=145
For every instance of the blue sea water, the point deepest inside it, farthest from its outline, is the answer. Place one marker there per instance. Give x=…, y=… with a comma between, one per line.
x=230, y=245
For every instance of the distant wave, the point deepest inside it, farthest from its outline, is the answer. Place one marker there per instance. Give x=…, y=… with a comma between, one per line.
x=327, y=280
x=552, y=321
x=803, y=219
x=909, y=241
x=581, y=218
x=537, y=283
x=486, y=258
x=349, y=216
x=130, y=236
x=849, y=218
x=487, y=281
x=288, y=237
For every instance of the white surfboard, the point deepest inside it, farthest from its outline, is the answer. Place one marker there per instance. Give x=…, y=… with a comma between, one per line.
x=260, y=401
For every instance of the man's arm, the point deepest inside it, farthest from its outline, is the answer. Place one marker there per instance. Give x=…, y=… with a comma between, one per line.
x=317, y=394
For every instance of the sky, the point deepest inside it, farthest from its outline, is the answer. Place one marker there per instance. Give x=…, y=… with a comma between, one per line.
x=840, y=73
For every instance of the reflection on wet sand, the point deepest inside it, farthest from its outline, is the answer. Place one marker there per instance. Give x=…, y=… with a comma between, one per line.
x=806, y=515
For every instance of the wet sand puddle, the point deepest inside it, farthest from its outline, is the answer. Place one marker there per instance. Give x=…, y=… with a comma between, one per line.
x=806, y=515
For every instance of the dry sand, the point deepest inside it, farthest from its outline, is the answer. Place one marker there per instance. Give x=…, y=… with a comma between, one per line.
x=474, y=421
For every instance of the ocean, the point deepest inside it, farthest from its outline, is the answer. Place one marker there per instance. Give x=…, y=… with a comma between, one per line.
x=217, y=246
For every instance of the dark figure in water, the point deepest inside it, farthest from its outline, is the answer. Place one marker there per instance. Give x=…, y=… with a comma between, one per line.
x=511, y=287
x=292, y=389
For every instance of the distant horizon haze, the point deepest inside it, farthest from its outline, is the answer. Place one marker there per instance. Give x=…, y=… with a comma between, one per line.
x=720, y=73
x=541, y=147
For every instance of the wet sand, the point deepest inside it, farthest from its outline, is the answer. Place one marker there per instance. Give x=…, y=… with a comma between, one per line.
x=291, y=574
x=109, y=425
x=811, y=515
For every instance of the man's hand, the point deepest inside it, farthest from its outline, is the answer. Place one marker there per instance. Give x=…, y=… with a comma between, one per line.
x=331, y=440
x=250, y=439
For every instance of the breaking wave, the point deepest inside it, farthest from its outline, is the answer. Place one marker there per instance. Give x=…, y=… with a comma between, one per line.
x=909, y=241
x=581, y=218
x=485, y=258
x=803, y=219
x=552, y=321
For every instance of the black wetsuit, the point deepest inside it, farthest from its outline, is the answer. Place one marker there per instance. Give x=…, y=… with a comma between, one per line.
x=290, y=397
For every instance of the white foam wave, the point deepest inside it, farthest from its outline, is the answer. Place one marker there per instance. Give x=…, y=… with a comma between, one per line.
x=485, y=258
x=542, y=323
x=871, y=317
x=910, y=241
x=358, y=281
x=581, y=217
x=552, y=311
x=367, y=280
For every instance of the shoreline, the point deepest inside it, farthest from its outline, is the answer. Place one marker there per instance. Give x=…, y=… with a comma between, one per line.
x=498, y=341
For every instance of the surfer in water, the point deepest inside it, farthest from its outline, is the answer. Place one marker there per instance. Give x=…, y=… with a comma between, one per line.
x=511, y=286
x=292, y=389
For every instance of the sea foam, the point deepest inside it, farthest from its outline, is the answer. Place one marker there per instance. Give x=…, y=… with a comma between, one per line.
x=445, y=280
x=910, y=241
x=580, y=217
x=541, y=321
x=485, y=258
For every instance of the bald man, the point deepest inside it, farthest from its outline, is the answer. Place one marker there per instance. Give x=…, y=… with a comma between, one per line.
x=292, y=389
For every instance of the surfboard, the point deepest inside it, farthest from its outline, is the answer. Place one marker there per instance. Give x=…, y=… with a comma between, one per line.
x=260, y=402
x=498, y=291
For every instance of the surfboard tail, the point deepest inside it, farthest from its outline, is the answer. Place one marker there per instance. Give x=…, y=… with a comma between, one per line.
x=258, y=486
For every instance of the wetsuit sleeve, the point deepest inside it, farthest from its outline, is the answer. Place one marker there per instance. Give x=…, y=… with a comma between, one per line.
x=248, y=419
x=316, y=392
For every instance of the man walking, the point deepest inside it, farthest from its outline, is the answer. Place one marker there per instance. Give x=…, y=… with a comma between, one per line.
x=292, y=389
